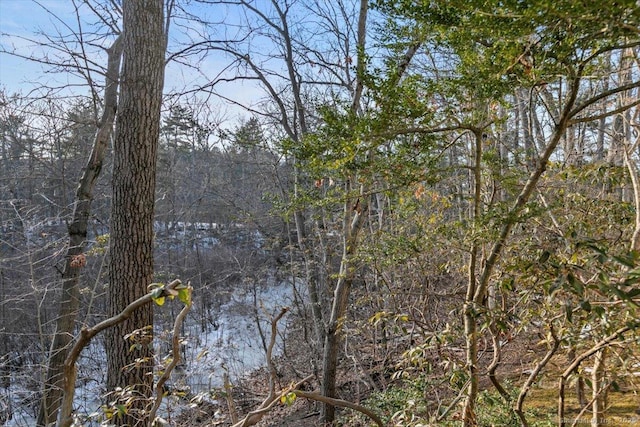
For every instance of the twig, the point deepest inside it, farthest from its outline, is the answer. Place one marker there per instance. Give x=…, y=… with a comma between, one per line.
x=601, y=344
x=455, y=401
x=86, y=334
x=533, y=375
x=588, y=405
x=255, y=416
x=270, y=401
x=175, y=342
x=231, y=405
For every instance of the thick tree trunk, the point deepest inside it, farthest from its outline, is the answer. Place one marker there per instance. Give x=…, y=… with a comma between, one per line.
x=129, y=344
x=74, y=260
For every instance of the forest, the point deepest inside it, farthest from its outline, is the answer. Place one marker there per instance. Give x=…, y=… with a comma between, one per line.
x=320, y=213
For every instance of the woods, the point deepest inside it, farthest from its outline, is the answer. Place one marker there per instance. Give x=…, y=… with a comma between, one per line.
x=443, y=197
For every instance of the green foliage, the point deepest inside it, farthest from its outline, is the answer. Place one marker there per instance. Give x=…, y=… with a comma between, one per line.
x=159, y=292
x=493, y=410
x=120, y=401
x=183, y=131
x=402, y=404
x=288, y=399
x=100, y=246
x=497, y=45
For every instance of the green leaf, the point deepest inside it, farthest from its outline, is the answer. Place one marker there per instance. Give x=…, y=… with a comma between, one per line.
x=377, y=317
x=108, y=412
x=159, y=300
x=288, y=399
x=633, y=293
x=157, y=293
x=575, y=284
x=568, y=311
x=626, y=260
x=586, y=306
x=544, y=257
x=184, y=295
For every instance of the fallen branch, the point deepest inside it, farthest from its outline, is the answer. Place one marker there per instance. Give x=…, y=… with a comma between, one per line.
x=339, y=402
x=273, y=398
x=269, y=402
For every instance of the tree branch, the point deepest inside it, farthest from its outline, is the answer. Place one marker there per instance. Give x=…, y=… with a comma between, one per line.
x=86, y=334
x=175, y=349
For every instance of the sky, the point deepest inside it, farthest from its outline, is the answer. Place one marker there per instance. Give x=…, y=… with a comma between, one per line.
x=24, y=24
x=21, y=18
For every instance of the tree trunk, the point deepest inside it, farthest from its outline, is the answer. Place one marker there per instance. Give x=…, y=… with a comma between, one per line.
x=472, y=301
x=129, y=344
x=340, y=301
x=527, y=130
x=598, y=388
x=353, y=221
x=69, y=303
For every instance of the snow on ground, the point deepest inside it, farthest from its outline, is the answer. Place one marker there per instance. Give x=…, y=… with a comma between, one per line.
x=234, y=347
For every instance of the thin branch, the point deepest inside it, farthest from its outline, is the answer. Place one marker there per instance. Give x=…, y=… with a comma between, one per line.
x=86, y=334
x=255, y=416
x=578, y=360
x=339, y=402
x=360, y=67
x=602, y=95
x=175, y=349
x=526, y=191
x=534, y=374
x=605, y=115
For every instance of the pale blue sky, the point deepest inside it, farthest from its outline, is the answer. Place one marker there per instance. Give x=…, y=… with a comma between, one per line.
x=24, y=18
x=27, y=19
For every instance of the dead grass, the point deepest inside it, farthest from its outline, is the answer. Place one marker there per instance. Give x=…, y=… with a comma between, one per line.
x=620, y=411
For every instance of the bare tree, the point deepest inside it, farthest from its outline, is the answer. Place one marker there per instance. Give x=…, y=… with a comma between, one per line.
x=75, y=259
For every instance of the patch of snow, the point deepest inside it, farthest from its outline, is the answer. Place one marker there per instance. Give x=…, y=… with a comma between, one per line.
x=234, y=347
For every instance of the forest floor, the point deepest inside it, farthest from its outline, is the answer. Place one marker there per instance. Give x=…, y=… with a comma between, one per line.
x=367, y=370
x=518, y=357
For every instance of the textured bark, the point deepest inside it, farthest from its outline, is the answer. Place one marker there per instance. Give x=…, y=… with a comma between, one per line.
x=69, y=303
x=130, y=361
